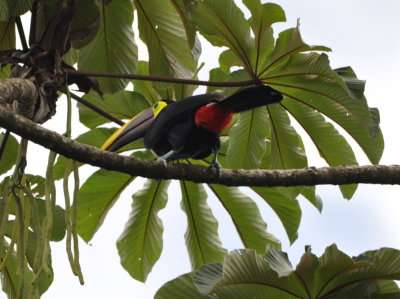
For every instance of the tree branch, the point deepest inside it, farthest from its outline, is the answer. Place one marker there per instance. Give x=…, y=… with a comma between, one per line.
x=164, y=79
x=376, y=174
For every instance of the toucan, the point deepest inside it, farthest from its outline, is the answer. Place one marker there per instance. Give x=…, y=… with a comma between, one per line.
x=189, y=128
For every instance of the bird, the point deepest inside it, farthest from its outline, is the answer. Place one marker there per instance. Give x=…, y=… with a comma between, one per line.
x=191, y=127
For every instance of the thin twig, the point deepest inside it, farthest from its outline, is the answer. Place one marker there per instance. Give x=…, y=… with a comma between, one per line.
x=95, y=108
x=21, y=33
x=165, y=79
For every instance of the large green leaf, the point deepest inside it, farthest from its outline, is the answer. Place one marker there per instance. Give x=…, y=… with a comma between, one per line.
x=85, y=23
x=7, y=35
x=95, y=137
x=201, y=236
x=288, y=44
x=246, y=217
x=247, y=139
x=123, y=105
x=181, y=288
x=145, y=87
x=162, y=29
x=331, y=146
x=113, y=49
x=286, y=208
x=245, y=274
x=263, y=16
x=223, y=24
x=308, y=79
x=9, y=155
x=18, y=7
x=4, y=13
x=140, y=244
x=96, y=197
x=286, y=147
x=382, y=264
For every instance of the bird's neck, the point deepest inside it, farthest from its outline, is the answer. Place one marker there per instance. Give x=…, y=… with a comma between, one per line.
x=213, y=118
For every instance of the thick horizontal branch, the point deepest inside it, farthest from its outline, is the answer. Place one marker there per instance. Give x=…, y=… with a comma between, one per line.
x=378, y=174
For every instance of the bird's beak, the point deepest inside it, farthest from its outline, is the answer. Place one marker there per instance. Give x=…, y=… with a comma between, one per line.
x=133, y=130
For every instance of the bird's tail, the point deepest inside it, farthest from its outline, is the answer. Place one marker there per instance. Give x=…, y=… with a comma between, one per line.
x=251, y=97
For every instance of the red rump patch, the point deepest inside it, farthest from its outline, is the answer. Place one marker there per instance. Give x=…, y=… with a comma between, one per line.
x=213, y=118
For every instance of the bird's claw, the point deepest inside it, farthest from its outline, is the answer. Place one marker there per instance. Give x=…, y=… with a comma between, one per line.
x=161, y=159
x=217, y=166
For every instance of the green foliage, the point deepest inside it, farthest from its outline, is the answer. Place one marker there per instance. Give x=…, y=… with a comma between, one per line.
x=264, y=138
x=7, y=35
x=316, y=98
x=9, y=158
x=246, y=274
x=123, y=105
x=164, y=27
x=201, y=236
x=140, y=244
x=113, y=49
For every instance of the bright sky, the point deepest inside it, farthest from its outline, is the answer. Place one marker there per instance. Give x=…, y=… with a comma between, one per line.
x=361, y=33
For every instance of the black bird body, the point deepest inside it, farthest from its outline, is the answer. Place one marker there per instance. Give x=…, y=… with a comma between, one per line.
x=190, y=128
x=182, y=134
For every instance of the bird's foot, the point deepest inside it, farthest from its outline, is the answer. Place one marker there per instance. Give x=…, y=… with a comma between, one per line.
x=162, y=159
x=217, y=166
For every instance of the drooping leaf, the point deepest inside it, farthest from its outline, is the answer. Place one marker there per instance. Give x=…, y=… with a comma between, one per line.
x=247, y=139
x=162, y=29
x=85, y=23
x=202, y=239
x=96, y=197
x=286, y=145
x=286, y=208
x=140, y=244
x=9, y=155
x=7, y=35
x=184, y=8
x=331, y=145
x=246, y=218
x=113, y=49
x=123, y=105
x=95, y=137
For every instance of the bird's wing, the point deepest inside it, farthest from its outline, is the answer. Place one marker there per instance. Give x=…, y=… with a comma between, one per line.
x=173, y=113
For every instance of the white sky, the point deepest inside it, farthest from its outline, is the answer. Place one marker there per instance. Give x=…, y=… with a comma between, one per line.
x=361, y=33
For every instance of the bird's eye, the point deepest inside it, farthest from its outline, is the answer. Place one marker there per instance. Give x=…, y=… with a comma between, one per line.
x=155, y=106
